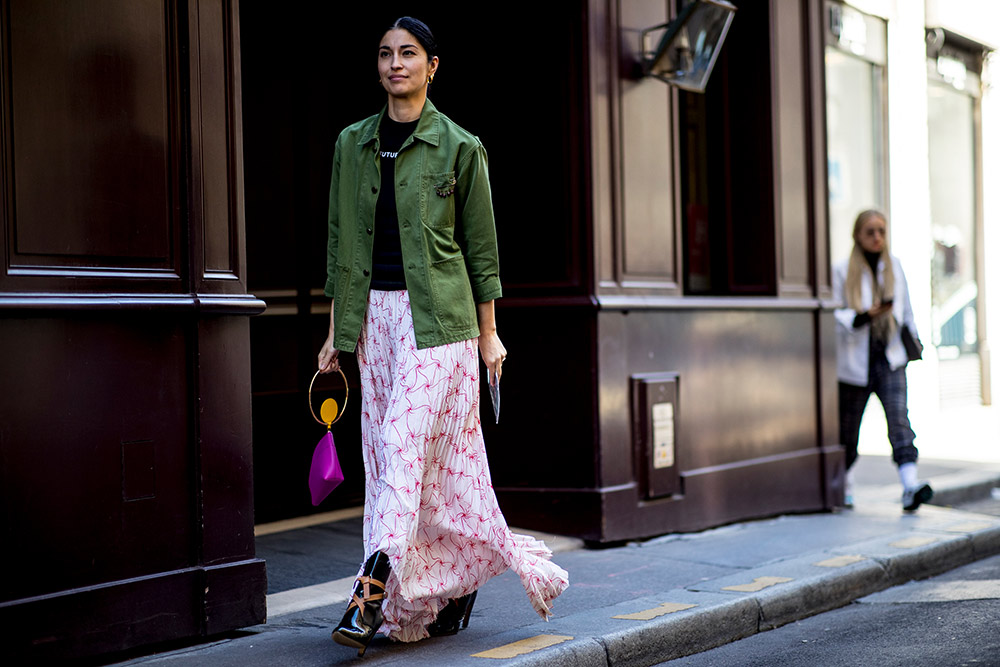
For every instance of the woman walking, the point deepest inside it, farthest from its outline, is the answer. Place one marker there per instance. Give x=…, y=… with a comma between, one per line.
x=412, y=270
x=870, y=352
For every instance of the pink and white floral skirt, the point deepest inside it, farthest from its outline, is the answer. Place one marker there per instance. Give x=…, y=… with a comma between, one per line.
x=429, y=501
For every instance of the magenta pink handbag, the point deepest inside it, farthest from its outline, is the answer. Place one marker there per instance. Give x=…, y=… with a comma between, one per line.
x=325, y=473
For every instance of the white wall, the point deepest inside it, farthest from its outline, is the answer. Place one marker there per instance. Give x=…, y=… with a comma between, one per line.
x=909, y=191
x=991, y=209
x=979, y=20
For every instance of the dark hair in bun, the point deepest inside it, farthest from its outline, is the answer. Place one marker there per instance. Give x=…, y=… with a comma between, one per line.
x=418, y=29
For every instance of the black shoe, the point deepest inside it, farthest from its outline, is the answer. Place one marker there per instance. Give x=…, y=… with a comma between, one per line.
x=364, y=613
x=917, y=496
x=453, y=616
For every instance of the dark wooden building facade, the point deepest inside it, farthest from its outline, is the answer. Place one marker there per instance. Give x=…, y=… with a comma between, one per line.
x=125, y=435
x=165, y=170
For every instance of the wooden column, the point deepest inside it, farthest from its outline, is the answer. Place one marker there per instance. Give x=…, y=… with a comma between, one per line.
x=125, y=452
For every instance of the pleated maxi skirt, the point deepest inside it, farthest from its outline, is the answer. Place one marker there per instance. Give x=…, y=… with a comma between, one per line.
x=429, y=500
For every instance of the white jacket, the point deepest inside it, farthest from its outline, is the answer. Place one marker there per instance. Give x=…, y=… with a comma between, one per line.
x=852, y=344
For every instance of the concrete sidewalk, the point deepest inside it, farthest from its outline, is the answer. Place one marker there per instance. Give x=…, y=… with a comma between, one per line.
x=643, y=603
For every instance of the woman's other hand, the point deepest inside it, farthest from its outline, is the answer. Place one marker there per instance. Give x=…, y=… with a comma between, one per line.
x=880, y=309
x=490, y=347
x=493, y=353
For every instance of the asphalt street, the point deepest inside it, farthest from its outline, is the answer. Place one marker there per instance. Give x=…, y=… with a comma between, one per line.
x=952, y=619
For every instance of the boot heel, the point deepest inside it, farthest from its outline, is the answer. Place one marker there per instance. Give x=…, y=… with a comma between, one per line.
x=468, y=610
x=453, y=617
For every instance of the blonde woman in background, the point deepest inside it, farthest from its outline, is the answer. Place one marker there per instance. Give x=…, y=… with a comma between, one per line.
x=871, y=358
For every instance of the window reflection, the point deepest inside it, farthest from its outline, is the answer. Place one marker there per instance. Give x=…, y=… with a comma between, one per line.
x=854, y=104
x=855, y=64
x=954, y=288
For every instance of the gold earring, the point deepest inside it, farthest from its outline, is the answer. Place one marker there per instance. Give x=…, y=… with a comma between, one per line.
x=430, y=78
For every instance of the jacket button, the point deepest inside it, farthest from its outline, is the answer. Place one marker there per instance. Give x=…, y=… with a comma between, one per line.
x=412, y=265
x=369, y=230
x=365, y=272
x=374, y=189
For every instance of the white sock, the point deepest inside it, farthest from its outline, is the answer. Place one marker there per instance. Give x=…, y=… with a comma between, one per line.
x=908, y=475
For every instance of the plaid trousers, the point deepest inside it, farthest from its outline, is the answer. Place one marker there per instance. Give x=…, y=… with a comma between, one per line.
x=890, y=387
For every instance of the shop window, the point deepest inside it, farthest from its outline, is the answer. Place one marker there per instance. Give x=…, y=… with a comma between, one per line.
x=953, y=90
x=855, y=62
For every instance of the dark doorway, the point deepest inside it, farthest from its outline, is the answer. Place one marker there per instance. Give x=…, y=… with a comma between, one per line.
x=727, y=170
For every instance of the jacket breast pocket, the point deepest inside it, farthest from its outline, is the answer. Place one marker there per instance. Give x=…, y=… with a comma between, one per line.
x=438, y=200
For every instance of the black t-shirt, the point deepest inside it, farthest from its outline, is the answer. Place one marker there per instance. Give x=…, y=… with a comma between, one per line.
x=387, y=253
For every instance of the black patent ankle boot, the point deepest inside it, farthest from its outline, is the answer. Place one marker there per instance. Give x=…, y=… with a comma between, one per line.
x=364, y=613
x=453, y=617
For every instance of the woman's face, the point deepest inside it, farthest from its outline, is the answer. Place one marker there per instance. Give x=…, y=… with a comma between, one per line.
x=871, y=236
x=403, y=67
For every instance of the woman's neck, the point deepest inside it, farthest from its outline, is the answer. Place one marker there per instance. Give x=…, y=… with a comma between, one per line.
x=406, y=109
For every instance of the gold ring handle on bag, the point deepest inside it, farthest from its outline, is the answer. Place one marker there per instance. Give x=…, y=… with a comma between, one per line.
x=338, y=410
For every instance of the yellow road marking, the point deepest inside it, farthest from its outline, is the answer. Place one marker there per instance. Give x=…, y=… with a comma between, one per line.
x=759, y=583
x=911, y=542
x=524, y=646
x=650, y=614
x=840, y=561
x=970, y=527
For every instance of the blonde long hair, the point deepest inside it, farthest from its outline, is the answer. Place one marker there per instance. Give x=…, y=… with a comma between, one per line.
x=858, y=264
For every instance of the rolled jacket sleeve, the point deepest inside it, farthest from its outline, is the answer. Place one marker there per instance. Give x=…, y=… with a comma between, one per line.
x=476, y=232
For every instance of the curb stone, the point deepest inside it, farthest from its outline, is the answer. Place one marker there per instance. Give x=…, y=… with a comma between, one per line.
x=819, y=593
x=703, y=628
x=674, y=636
x=964, y=487
x=582, y=652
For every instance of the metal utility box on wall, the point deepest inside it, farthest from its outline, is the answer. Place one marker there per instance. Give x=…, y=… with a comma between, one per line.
x=654, y=428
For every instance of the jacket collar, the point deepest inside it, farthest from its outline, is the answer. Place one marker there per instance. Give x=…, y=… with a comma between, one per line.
x=428, y=127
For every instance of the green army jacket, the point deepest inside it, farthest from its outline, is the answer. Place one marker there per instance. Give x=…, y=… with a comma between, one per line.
x=446, y=228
